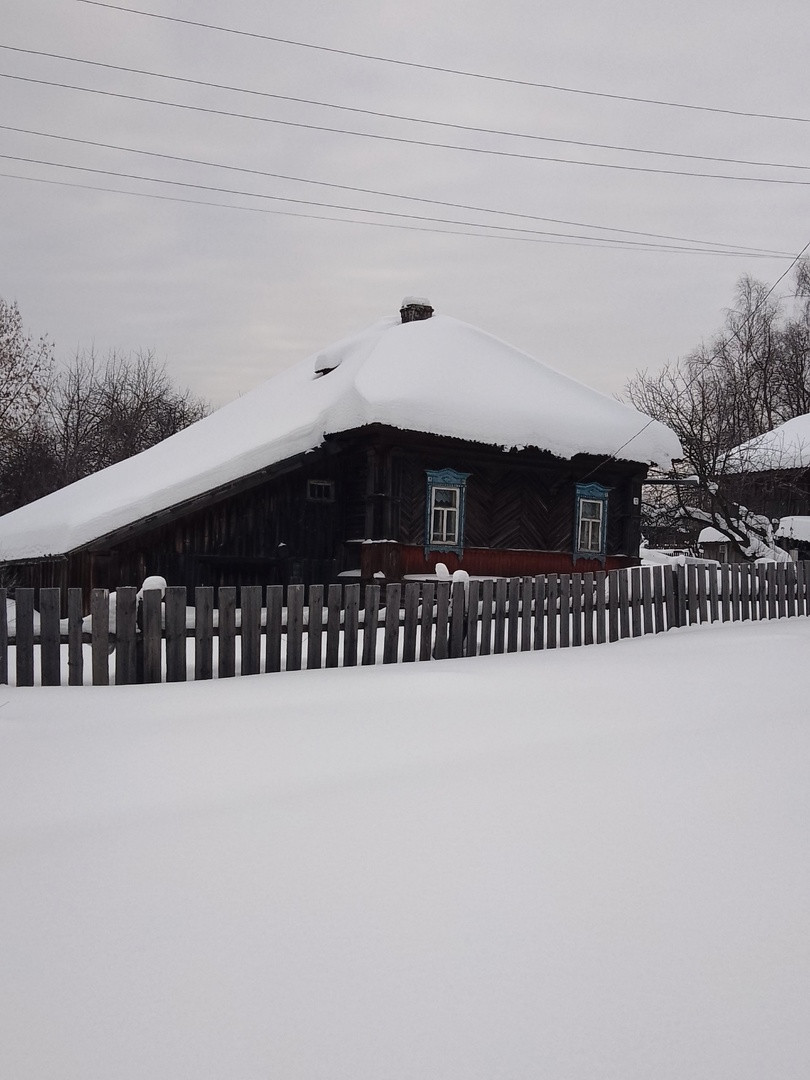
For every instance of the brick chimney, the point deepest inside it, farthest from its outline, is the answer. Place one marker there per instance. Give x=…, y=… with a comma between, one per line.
x=415, y=308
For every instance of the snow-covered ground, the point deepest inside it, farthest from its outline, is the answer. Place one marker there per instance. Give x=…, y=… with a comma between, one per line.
x=575, y=865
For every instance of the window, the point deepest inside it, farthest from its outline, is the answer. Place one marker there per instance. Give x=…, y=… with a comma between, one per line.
x=591, y=521
x=321, y=490
x=444, y=518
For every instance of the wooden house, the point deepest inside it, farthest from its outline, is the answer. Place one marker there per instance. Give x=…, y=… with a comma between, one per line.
x=420, y=439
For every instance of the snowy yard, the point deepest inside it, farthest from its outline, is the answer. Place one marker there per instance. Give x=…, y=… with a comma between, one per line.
x=570, y=865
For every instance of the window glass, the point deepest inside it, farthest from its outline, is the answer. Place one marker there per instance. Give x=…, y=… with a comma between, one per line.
x=591, y=520
x=444, y=517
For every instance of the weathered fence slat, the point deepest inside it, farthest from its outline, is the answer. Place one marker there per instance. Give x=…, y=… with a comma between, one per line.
x=499, y=644
x=350, y=628
x=25, y=636
x=251, y=605
x=152, y=636
x=670, y=585
x=790, y=587
x=801, y=588
x=735, y=591
x=75, y=650
x=471, y=630
x=539, y=610
x=272, y=629
x=587, y=606
x=204, y=632
x=680, y=593
x=393, y=594
x=624, y=604
x=371, y=615
x=658, y=598
x=601, y=606
x=714, y=594
x=762, y=591
x=426, y=622
x=565, y=611
x=781, y=591
x=334, y=604
x=613, y=605
x=410, y=621
x=552, y=595
x=314, y=627
x=745, y=592
x=702, y=598
x=487, y=593
x=295, y=626
x=100, y=614
x=512, y=613
x=635, y=601
x=175, y=633
x=526, y=614
x=691, y=593
x=457, y=619
x=126, y=606
x=50, y=658
x=226, y=654
x=442, y=620
x=3, y=638
x=771, y=578
x=725, y=591
x=646, y=599
x=576, y=609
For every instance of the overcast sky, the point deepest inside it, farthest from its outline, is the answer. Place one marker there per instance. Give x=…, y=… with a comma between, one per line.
x=227, y=297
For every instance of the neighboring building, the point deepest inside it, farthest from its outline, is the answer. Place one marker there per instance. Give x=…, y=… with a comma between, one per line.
x=419, y=439
x=770, y=474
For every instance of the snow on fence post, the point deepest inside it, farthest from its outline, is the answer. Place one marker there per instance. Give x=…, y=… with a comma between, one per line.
x=251, y=608
x=3, y=638
x=50, y=658
x=100, y=646
x=25, y=636
x=175, y=600
x=204, y=632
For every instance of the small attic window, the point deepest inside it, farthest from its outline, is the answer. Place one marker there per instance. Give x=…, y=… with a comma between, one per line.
x=320, y=491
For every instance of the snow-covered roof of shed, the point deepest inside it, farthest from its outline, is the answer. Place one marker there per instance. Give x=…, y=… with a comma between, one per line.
x=794, y=527
x=786, y=447
x=437, y=375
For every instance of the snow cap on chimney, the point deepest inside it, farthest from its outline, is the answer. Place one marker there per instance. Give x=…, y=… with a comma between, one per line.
x=415, y=308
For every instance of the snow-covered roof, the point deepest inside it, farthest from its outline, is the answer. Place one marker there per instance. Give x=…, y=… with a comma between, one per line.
x=794, y=527
x=438, y=375
x=786, y=447
x=710, y=535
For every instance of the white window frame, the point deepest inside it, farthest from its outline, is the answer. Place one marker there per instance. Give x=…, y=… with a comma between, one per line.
x=591, y=522
x=444, y=538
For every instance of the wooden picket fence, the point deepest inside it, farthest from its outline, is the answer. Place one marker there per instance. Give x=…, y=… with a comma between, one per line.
x=159, y=639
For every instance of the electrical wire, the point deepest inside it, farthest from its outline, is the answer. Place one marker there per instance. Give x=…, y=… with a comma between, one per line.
x=401, y=139
x=596, y=241
x=388, y=194
x=449, y=70
x=409, y=119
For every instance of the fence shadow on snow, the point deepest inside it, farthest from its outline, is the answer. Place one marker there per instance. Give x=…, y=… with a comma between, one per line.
x=127, y=641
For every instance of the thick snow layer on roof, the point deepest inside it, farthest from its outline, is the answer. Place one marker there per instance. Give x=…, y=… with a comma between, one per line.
x=786, y=447
x=794, y=528
x=439, y=376
x=710, y=535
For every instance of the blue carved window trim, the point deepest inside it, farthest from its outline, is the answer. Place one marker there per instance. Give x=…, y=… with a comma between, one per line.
x=441, y=482
x=585, y=522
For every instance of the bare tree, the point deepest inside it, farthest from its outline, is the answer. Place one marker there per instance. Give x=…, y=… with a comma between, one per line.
x=25, y=371
x=747, y=379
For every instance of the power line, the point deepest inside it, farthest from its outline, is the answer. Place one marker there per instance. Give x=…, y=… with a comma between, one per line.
x=401, y=139
x=616, y=245
x=597, y=241
x=406, y=118
x=448, y=70
x=387, y=194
